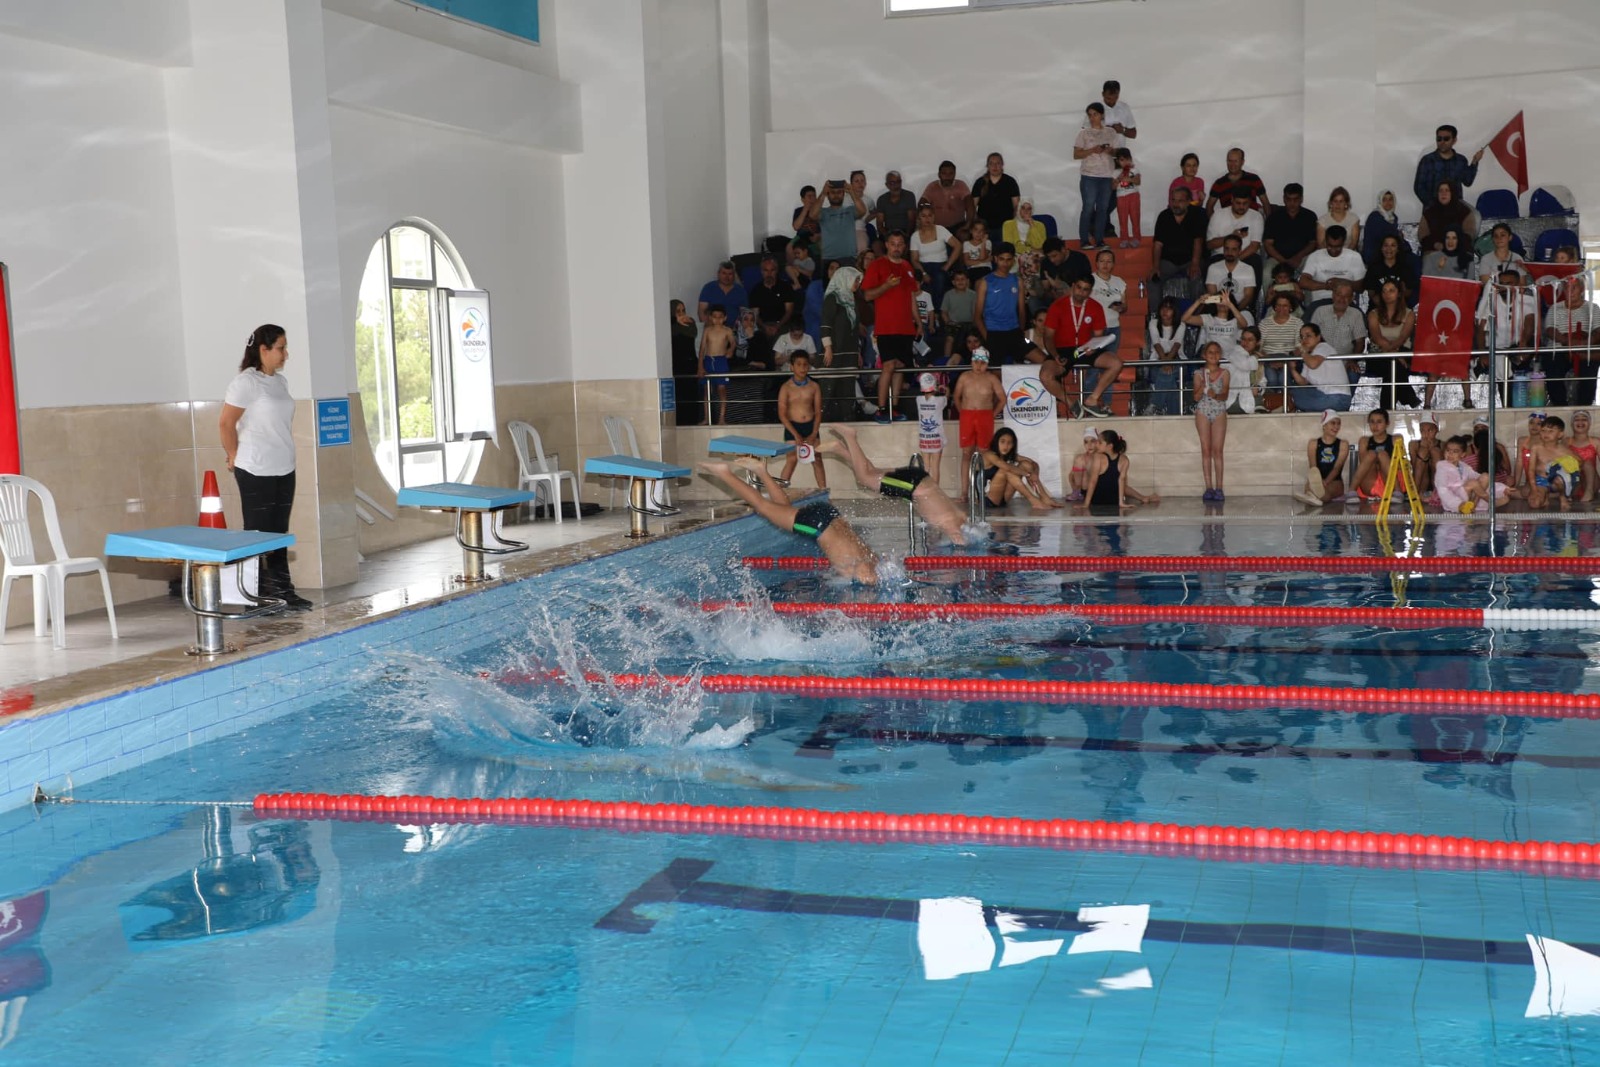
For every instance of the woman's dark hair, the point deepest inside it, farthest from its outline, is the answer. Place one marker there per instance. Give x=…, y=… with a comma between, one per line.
x=1380, y=411
x=1115, y=440
x=1166, y=302
x=1252, y=331
x=1188, y=156
x=265, y=336
x=1313, y=327
x=994, y=442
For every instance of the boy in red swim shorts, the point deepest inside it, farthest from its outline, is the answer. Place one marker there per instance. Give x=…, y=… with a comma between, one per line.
x=979, y=400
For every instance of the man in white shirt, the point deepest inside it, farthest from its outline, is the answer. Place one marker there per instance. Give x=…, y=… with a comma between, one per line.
x=1240, y=219
x=1513, y=307
x=1119, y=116
x=1572, y=326
x=1327, y=265
x=1342, y=326
x=1232, y=275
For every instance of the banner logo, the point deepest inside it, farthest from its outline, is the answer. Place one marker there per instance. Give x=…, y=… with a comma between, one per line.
x=1028, y=404
x=474, y=334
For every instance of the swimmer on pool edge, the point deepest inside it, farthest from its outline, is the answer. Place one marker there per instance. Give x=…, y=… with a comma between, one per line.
x=819, y=520
x=902, y=483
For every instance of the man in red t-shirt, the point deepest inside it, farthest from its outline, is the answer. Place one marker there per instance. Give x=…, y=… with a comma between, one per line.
x=1075, y=336
x=891, y=285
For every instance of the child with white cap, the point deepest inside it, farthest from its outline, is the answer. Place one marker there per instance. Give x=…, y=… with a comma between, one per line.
x=1078, y=476
x=979, y=398
x=1426, y=454
x=1327, y=459
x=930, y=422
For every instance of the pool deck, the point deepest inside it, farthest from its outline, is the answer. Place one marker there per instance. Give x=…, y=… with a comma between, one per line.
x=36, y=678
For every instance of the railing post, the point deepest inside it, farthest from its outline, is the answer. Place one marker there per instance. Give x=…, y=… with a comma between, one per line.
x=975, y=488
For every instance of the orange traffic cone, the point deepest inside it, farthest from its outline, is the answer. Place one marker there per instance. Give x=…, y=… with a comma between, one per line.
x=211, y=516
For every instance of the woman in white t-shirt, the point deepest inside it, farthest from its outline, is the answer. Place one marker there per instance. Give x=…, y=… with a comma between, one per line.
x=1219, y=320
x=1339, y=214
x=256, y=427
x=933, y=252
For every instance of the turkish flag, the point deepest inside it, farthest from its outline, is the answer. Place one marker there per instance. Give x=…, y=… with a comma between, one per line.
x=1443, y=340
x=1550, y=279
x=1510, y=147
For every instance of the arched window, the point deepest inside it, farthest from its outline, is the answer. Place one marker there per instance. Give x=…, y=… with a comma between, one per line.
x=401, y=364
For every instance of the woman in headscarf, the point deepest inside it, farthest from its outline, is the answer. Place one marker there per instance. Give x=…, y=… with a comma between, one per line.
x=685, y=364
x=1382, y=223
x=1447, y=210
x=841, y=344
x=1453, y=257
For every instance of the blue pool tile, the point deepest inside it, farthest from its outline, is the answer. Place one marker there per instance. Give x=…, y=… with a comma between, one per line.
x=202, y=713
x=218, y=680
x=68, y=757
x=105, y=745
x=44, y=732
x=87, y=720
x=185, y=691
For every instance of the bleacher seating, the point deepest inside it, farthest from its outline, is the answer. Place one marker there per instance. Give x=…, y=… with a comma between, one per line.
x=1496, y=204
x=1544, y=249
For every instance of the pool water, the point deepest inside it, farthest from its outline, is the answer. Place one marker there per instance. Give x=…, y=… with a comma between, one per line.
x=188, y=932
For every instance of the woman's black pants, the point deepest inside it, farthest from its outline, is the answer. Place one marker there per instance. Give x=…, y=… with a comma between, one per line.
x=266, y=501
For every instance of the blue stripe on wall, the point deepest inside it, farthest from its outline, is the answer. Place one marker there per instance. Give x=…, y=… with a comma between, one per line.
x=519, y=18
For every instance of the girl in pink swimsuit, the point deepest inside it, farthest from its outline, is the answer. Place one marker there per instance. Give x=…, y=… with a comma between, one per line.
x=1587, y=450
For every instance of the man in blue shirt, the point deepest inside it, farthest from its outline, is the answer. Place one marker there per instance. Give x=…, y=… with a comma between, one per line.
x=1444, y=164
x=725, y=292
x=838, y=222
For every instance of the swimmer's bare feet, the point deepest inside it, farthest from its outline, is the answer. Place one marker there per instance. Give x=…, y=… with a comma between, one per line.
x=716, y=467
x=833, y=448
x=751, y=464
x=843, y=431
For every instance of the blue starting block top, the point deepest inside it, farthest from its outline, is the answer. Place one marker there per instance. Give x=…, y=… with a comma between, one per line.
x=461, y=496
x=194, y=544
x=631, y=467
x=735, y=445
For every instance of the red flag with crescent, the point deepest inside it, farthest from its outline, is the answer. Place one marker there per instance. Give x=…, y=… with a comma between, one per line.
x=1443, y=340
x=1510, y=147
x=1551, y=280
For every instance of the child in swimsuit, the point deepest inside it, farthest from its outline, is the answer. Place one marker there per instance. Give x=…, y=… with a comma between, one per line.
x=1587, y=450
x=901, y=483
x=1211, y=419
x=1374, y=455
x=716, y=345
x=819, y=521
x=1078, y=477
x=1327, y=456
x=1554, y=465
x=800, y=411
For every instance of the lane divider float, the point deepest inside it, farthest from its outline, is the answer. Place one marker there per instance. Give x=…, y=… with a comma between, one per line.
x=1333, y=698
x=1239, y=614
x=1225, y=564
x=1253, y=844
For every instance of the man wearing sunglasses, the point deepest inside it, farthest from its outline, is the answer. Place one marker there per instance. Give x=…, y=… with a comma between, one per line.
x=1444, y=164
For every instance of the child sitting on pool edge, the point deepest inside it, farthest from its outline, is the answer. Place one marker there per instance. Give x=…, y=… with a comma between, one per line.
x=1553, y=465
x=818, y=520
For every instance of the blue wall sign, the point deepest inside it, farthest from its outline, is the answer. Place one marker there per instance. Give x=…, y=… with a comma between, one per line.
x=669, y=395
x=519, y=18
x=333, y=422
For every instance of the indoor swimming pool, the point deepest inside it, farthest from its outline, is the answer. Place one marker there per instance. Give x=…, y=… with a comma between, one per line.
x=159, y=919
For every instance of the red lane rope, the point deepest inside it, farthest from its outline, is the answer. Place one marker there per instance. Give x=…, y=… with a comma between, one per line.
x=1228, y=613
x=1228, y=564
x=1116, y=694
x=1247, y=843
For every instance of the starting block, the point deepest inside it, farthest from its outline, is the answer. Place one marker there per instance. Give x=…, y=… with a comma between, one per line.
x=640, y=473
x=756, y=447
x=203, y=553
x=469, y=502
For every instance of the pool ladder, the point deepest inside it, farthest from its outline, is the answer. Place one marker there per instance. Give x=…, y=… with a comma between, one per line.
x=975, y=489
x=911, y=508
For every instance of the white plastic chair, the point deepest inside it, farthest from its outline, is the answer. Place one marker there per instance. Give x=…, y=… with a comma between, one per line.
x=16, y=539
x=535, y=471
x=625, y=442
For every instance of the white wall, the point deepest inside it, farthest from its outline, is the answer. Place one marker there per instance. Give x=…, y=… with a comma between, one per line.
x=852, y=88
x=905, y=93
x=501, y=207
x=86, y=210
x=691, y=96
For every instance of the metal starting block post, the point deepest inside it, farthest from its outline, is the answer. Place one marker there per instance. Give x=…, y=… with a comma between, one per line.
x=202, y=553
x=470, y=503
x=640, y=474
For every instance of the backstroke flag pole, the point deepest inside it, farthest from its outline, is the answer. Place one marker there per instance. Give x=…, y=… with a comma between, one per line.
x=10, y=437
